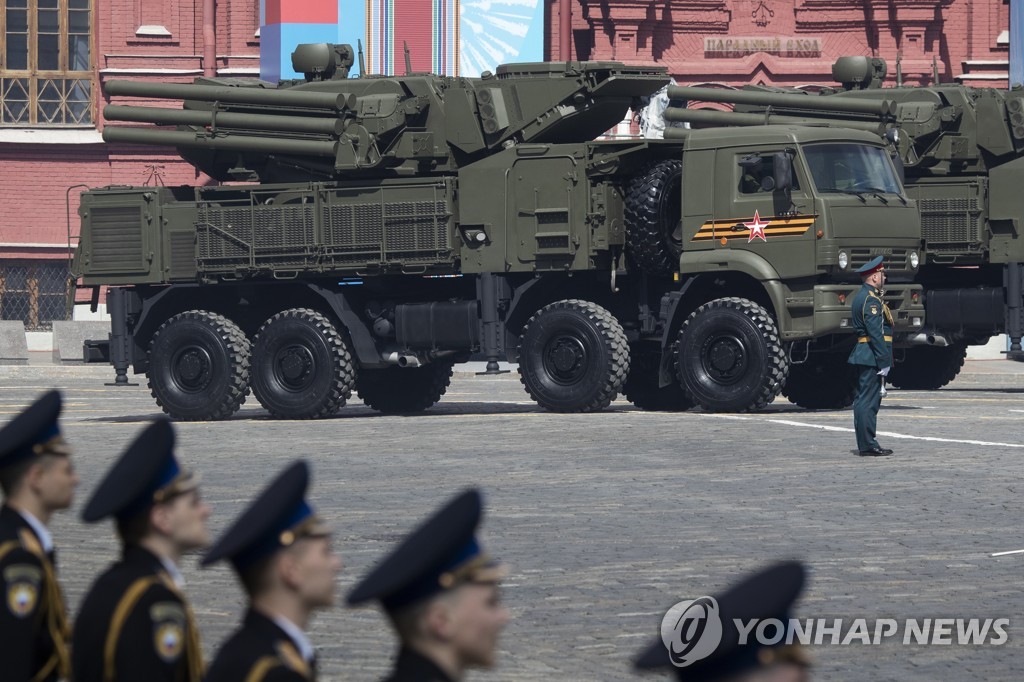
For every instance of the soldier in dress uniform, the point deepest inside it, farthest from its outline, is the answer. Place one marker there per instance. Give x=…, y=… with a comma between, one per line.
x=440, y=592
x=767, y=594
x=872, y=355
x=135, y=622
x=37, y=479
x=282, y=553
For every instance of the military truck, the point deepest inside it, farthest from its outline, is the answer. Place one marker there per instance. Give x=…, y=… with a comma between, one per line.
x=962, y=153
x=378, y=230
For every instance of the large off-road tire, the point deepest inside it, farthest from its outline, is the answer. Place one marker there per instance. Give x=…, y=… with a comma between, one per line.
x=396, y=390
x=825, y=381
x=729, y=357
x=653, y=214
x=573, y=357
x=199, y=366
x=301, y=367
x=927, y=368
x=642, y=389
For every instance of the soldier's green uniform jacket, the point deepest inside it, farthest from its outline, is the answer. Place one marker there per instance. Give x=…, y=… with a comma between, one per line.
x=873, y=323
x=33, y=623
x=260, y=651
x=136, y=625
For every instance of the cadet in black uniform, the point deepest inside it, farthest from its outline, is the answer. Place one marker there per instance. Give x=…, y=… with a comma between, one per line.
x=37, y=479
x=282, y=554
x=135, y=623
x=440, y=591
x=872, y=355
x=769, y=593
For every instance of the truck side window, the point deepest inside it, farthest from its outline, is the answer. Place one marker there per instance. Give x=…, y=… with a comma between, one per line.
x=752, y=175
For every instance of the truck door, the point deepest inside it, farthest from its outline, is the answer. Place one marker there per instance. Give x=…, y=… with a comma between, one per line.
x=753, y=215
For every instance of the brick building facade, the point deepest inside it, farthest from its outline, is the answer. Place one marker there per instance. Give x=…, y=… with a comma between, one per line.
x=58, y=54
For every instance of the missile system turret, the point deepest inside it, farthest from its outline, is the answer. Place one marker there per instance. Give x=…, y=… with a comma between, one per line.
x=328, y=126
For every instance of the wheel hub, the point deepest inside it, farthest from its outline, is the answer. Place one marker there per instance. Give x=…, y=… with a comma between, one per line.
x=191, y=367
x=565, y=359
x=294, y=365
x=725, y=359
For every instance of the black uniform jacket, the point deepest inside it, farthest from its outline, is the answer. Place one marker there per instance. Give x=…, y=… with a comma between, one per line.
x=134, y=624
x=259, y=651
x=412, y=666
x=33, y=624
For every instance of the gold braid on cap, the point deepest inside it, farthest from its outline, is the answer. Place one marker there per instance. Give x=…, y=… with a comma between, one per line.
x=478, y=569
x=311, y=526
x=54, y=446
x=182, y=483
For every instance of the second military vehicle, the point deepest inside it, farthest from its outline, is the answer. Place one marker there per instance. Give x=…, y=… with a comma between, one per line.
x=382, y=229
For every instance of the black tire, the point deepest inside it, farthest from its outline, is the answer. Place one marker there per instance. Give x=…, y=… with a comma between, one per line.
x=573, y=357
x=642, y=389
x=396, y=390
x=301, y=367
x=825, y=381
x=199, y=366
x=927, y=368
x=653, y=216
x=729, y=357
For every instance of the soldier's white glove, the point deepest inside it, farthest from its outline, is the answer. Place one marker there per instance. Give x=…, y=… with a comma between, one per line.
x=884, y=372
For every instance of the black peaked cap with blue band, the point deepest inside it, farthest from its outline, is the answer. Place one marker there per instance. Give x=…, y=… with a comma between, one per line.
x=875, y=263
x=769, y=593
x=33, y=432
x=146, y=474
x=275, y=520
x=441, y=554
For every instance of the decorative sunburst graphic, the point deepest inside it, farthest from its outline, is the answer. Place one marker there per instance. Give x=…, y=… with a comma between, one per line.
x=496, y=32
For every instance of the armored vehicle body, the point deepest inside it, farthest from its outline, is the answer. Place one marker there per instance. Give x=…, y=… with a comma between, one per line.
x=398, y=225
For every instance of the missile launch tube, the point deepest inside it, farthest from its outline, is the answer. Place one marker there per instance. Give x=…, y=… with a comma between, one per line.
x=242, y=143
x=214, y=93
x=722, y=118
x=780, y=99
x=293, y=124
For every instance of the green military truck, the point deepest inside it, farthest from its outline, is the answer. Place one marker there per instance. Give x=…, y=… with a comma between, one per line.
x=379, y=230
x=962, y=153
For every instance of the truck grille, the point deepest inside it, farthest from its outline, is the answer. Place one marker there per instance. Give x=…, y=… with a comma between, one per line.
x=897, y=260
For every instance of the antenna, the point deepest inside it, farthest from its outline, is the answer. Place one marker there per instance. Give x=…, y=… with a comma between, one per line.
x=408, y=60
x=899, y=69
x=935, y=70
x=362, y=63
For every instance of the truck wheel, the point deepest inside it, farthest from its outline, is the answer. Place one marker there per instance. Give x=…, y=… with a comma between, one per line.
x=199, y=366
x=394, y=390
x=573, y=357
x=653, y=214
x=927, y=368
x=826, y=381
x=301, y=367
x=641, y=387
x=729, y=357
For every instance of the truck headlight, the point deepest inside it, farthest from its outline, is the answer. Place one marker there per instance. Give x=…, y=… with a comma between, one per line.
x=915, y=260
x=844, y=259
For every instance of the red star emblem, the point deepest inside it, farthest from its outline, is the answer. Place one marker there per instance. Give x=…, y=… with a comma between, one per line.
x=757, y=228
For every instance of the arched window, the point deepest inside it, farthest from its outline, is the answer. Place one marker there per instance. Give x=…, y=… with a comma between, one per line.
x=46, y=63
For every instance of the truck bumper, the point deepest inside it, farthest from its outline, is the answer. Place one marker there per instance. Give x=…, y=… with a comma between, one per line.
x=832, y=312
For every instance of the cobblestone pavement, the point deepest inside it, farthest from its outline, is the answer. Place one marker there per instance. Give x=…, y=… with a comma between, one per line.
x=608, y=519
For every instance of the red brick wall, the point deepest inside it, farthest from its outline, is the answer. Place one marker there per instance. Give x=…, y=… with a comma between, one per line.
x=960, y=34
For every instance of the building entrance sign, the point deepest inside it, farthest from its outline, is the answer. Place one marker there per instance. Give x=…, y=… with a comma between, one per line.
x=731, y=47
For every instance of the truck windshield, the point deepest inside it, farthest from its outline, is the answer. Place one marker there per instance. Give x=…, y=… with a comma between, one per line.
x=851, y=168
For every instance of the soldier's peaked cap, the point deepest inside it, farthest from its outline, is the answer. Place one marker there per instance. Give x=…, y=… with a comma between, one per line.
x=872, y=265
x=33, y=432
x=147, y=473
x=769, y=593
x=441, y=554
x=276, y=519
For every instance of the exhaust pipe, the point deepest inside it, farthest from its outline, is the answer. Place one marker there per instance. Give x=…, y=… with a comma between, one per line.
x=923, y=339
x=401, y=359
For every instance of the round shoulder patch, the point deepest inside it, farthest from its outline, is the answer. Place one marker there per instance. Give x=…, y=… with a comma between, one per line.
x=168, y=630
x=23, y=581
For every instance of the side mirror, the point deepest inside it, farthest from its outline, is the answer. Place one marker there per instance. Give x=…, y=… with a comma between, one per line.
x=782, y=169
